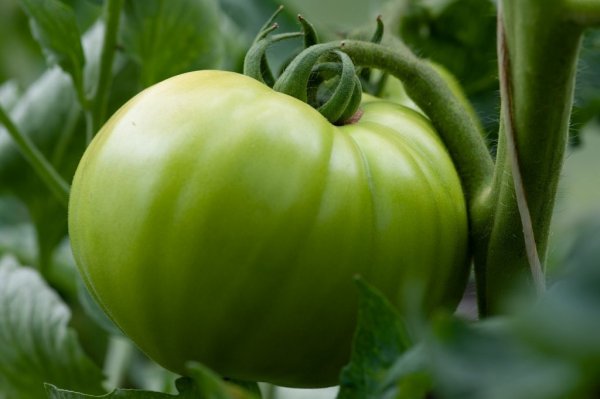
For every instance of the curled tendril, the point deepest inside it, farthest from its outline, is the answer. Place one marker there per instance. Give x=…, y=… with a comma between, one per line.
x=310, y=34
x=317, y=66
x=255, y=63
x=345, y=97
x=314, y=66
x=268, y=26
x=365, y=73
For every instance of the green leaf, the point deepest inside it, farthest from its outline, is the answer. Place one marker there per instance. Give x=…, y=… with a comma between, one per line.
x=48, y=113
x=380, y=339
x=93, y=310
x=448, y=33
x=587, y=90
x=409, y=377
x=487, y=361
x=213, y=387
x=461, y=36
x=546, y=350
x=9, y=94
x=203, y=384
x=185, y=386
x=36, y=346
x=18, y=240
x=54, y=26
x=169, y=37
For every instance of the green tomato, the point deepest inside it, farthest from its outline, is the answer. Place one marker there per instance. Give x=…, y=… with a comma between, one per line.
x=217, y=220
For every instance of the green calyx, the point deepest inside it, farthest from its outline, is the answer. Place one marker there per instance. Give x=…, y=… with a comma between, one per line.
x=321, y=75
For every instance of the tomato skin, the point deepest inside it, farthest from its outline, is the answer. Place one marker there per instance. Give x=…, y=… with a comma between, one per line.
x=219, y=221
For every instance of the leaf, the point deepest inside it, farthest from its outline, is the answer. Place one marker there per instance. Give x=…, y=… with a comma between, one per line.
x=93, y=310
x=169, y=37
x=489, y=361
x=248, y=16
x=409, y=377
x=18, y=240
x=36, y=346
x=587, y=90
x=185, y=386
x=549, y=349
x=447, y=33
x=54, y=26
x=213, y=387
x=380, y=339
x=48, y=113
x=203, y=384
x=9, y=94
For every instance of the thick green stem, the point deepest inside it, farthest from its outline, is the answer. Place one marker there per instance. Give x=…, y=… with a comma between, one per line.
x=113, y=13
x=540, y=46
x=36, y=159
x=508, y=125
x=455, y=125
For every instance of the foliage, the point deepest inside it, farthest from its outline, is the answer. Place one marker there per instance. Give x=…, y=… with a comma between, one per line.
x=63, y=70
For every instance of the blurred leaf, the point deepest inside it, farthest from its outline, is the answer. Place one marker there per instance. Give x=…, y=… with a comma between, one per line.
x=20, y=57
x=546, y=350
x=93, y=310
x=18, y=240
x=488, y=361
x=566, y=321
x=40, y=113
x=248, y=16
x=49, y=114
x=337, y=16
x=459, y=34
x=54, y=26
x=204, y=384
x=87, y=12
x=9, y=94
x=12, y=212
x=185, y=386
x=380, y=339
x=36, y=346
x=587, y=90
x=409, y=377
x=169, y=37
x=211, y=386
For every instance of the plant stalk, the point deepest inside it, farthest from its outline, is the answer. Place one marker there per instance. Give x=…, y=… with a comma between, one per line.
x=508, y=119
x=113, y=14
x=538, y=64
x=57, y=185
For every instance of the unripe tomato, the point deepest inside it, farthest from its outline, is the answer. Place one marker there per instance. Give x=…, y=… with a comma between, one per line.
x=217, y=220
